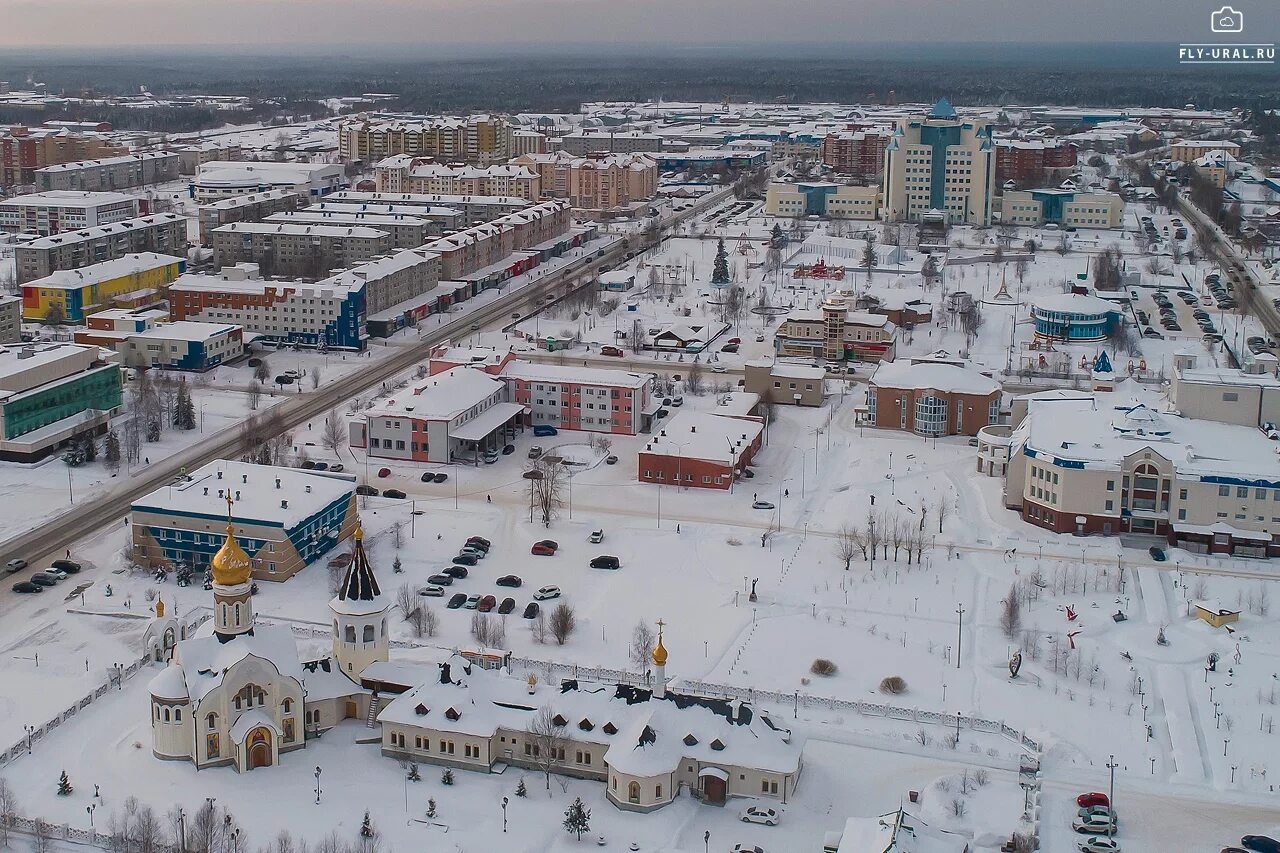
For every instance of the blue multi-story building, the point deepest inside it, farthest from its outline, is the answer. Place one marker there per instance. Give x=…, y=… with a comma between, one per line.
x=1073, y=318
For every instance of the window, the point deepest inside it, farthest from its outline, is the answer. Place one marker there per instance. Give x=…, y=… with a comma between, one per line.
x=1224, y=491
x=368, y=633
x=1111, y=485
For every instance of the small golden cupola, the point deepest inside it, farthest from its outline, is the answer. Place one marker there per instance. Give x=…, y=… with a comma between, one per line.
x=659, y=651
x=231, y=566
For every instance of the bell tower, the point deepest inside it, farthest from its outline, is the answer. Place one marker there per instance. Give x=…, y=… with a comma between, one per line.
x=232, y=587
x=660, y=666
x=359, y=615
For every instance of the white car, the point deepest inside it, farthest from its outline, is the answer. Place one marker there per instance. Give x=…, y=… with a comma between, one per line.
x=1094, y=825
x=1099, y=845
x=760, y=814
x=597, y=536
x=761, y=505
x=747, y=848
x=473, y=601
x=58, y=574
x=546, y=592
x=432, y=590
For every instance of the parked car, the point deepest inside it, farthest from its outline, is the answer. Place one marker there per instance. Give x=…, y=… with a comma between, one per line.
x=15, y=565
x=761, y=505
x=509, y=580
x=481, y=541
x=1094, y=825
x=337, y=468
x=43, y=579
x=507, y=450
x=432, y=591
x=596, y=537
x=394, y=493
x=747, y=848
x=729, y=348
x=428, y=477
x=441, y=580
x=384, y=472
x=487, y=603
x=540, y=550
x=547, y=592
x=605, y=561
x=56, y=574
x=465, y=559
x=613, y=352
x=473, y=601
x=320, y=466
x=677, y=402
x=1102, y=812
x=760, y=814
x=507, y=605
x=718, y=368
x=550, y=543
x=611, y=459
x=1099, y=845
x=544, y=430
x=490, y=457
x=759, y=339
x=441, y=477
x=71, y=567
x=284, y=380
x=458, y=599
x=1260, y=843
x=458, y=572
x=531, y=610
x=1093, y=798
x=368, y=491
x=1157, y=553
x=535, y=451
x=27, y=587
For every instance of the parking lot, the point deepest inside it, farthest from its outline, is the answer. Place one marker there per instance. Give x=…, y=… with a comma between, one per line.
x=1176, y=313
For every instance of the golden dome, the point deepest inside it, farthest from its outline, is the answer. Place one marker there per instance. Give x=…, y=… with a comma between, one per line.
x=231, y=565
x=659, y=651
x=159, y=608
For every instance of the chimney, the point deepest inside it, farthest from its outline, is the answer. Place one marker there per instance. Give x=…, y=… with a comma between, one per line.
x=284, y=504
x=693, y=428
x=244, y=478
x=237, y=494
x=206, y=491
x=220, y=494
x=308, y=490
x=219, y=477
x=277, y=482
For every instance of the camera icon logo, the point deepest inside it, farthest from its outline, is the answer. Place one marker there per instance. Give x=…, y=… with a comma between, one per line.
x=1227, y=20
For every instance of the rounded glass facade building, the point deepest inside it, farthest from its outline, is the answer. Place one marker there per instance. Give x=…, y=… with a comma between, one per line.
x=1073, y=318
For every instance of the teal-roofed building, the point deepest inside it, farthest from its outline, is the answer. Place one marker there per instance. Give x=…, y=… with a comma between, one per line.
x=940, y=162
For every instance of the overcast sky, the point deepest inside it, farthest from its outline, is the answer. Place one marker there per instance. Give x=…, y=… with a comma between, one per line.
x=107, y=23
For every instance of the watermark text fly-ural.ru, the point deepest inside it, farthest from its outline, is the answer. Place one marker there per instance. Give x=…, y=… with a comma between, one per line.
x=1233, y=54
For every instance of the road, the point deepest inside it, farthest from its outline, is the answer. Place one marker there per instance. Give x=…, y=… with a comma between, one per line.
x=59, y=532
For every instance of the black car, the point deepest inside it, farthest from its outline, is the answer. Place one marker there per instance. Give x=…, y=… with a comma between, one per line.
x=394, y=493
x=509, y=580
x=27, y=586
x=455, y=571
x=457, y=601
x=71, y=567
x=440, y=580
x=507, y=605
x=42, y=579
x=368, y=491
x=531, y=610
x=465, y=560
x=441, y=477
x=1260, y=843
x=428, y=477
x=284, y=380
x=307, y=465
x=508, y=450
x=321, y=466
x=604, y=561
x=479, y=542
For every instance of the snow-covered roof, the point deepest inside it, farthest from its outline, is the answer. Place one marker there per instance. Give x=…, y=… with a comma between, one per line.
x=66, y=198
x=443, y=396
x=203, y=661
x=301, y=230
x=250, y=720
x=706, y=436
x=235, y=173
x=897, y=832
x=185, y=330
x=107, y=270
x=249, y=199
x=1074, y=303
x=937, y=376
x=561, y=373
x=100, y=231
x=259, y=499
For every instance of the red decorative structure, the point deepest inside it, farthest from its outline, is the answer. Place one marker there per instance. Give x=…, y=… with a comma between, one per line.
x=819, y=270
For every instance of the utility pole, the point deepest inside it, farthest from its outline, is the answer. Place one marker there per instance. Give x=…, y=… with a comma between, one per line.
x=1111, y=796
x=959, y=631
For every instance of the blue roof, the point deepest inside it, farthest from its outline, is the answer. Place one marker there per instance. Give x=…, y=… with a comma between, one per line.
x=942, y=109
x=1102, y=364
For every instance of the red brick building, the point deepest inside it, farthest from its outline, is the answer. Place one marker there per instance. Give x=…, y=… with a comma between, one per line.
x=1031, y=160
x=858, y=151
x=700, y=451
x=23, y=150
x=932, y=398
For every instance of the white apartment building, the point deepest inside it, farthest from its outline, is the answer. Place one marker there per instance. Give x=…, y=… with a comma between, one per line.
x=56, y=211
x=940, y=162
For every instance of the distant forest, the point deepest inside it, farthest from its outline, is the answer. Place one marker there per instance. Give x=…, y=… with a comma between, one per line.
x=430, y=80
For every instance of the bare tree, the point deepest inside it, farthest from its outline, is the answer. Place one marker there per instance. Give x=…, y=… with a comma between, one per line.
x=1011, y=611
x=424, y=621
x=8, y=810
x=407, y=601
x=897, y=535
x=254, y=395
x=488, y=630
x=695, y=381
x=549, y=480
x=262, y=372
x=642, y=639
x=942, y=510
x=848, y=543
x=538, y=627
x=563, y=622
x=41, y=836
x=332, y=436
x=875, y=532
x=148, y=832
x=547, y=731
x=315, y=378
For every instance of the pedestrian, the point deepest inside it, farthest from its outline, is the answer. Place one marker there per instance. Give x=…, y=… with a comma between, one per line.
x=755, y=496
x=786, y=493
x=488, y=498
x=148, y=460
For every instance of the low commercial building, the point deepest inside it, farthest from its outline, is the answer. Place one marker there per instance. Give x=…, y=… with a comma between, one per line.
x=1073, y=318
x=64, y=210
x=191, y=158
x=785, y=382
x=895, y=832
x=110, y=173
x=835, y=333
x=1113, y=463
x=51, y=394
x=454, y=415
x=285, y=518
x=1244, y=397
x=162, y=233
x=1067, y=208
x=700, y=450
x=1215, y=613
x=225, y=179
x=300, y=250
x=182, y=346
x=254, y=207
x=821, y=198
x=130, y=281
x=932, y=398
x=704, y=160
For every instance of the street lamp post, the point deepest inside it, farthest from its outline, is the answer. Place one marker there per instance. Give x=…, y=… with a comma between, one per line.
x=1111, y=795
x=959, y=631
x=504, y=814
x=90, y=809
x=317, y=785
x=30, y=731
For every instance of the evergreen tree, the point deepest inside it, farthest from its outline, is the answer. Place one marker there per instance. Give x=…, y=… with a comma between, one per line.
x=153, y=430
x=521, y=790
x=366, y=827
x=88, y=448
x=112, y=450
x=577, y=818
x=414, y=775
x=777, y=239
x=446, y=778
x=184, y=411
x=720, y=271
x=431, y=807
x=64, y=785
x=395, y=566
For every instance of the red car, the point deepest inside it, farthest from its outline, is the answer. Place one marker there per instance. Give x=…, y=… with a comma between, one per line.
x=612, y=351
x=736, y=341
x=487, y=603
x=541, y=550
x=1092, y=799
x=384, y=472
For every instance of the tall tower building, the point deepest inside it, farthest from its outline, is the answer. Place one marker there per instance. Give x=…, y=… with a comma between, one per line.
x=232, y=587
x=940, y=162
x=359, y=616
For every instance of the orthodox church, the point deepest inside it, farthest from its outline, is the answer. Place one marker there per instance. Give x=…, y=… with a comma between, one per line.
x=242, y=696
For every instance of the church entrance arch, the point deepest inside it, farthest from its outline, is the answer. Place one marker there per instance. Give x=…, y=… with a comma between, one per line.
x=259, y=748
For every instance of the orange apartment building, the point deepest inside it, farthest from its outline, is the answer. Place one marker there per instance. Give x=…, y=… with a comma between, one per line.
x=596, y=181
x=23, y=150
